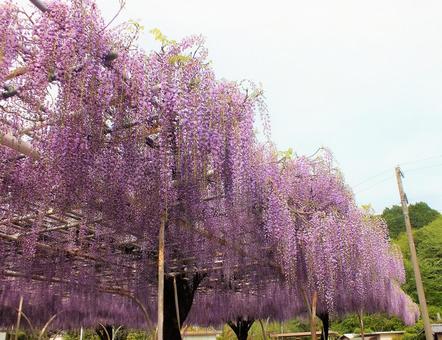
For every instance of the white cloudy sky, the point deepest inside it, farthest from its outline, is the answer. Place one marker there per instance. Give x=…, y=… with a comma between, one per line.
x=363, y=78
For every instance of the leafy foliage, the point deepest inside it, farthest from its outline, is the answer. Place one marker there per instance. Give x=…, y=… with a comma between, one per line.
x=420, y=215
x=89, y=334
x=255, y=332
x=428, y=241
x=373, y=322
x=160, y=37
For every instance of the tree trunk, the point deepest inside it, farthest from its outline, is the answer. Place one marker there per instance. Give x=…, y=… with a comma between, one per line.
x=325, y=325
x=241, y=327
x=186, y=288
x=361, y=323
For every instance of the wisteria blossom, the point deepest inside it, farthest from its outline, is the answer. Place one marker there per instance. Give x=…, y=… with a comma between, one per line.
x=115, y=141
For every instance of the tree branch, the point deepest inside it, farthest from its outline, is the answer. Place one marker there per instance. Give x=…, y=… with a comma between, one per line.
x=18, y=145
x=40, y=5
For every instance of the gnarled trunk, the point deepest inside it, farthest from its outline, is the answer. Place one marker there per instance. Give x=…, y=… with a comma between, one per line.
x=325, y=325
x=186, y=288
x=241, y=327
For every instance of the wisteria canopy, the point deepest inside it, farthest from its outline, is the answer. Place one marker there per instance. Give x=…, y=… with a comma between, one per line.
x=102, y=142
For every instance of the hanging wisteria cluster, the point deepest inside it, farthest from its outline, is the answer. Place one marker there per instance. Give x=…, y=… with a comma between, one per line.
x=105, y=142
x=332, y=243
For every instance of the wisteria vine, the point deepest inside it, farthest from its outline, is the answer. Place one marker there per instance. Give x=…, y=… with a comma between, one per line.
x=122, y=140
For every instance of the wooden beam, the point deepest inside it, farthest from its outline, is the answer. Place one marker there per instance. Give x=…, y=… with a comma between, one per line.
x=74, y=253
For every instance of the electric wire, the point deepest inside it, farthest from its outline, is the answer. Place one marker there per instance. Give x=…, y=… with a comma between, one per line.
x=391, y=176
x=369, y=179
x=375, y=184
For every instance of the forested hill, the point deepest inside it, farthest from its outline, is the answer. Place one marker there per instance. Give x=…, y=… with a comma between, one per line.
x=428, y=241
x=420, y=215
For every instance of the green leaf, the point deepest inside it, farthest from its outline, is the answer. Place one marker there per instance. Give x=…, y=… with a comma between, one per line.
x=159, y=36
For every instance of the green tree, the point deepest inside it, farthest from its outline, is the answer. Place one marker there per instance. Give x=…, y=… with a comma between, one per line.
x=420, y=215
x=373, y=322
x=428, y=241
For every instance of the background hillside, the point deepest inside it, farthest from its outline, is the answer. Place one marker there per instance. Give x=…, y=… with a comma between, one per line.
x=420, y=215
x=428, y=242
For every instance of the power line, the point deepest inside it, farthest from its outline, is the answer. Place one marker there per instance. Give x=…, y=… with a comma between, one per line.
x=425, y=167
x=369, y=179
x=421, y=160
x=375, y=184
x=392, y=177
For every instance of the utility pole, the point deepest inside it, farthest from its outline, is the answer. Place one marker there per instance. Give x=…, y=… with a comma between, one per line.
x=414, y=261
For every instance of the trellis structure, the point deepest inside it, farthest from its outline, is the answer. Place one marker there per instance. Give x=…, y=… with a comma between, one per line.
x=88, y=242
x=59, y=238
x=126, y=175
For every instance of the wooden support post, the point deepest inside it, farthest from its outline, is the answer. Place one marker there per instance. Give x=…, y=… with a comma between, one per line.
x=81, y=333
x=361, y=324
x=177, y=307
x=160, y=307
x=313, y=315
x=414, y=261
x=20, y=309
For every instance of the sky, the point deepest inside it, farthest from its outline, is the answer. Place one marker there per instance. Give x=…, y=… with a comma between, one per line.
x=362, y=78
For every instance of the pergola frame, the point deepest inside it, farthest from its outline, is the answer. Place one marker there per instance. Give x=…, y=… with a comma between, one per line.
x=55, y=226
